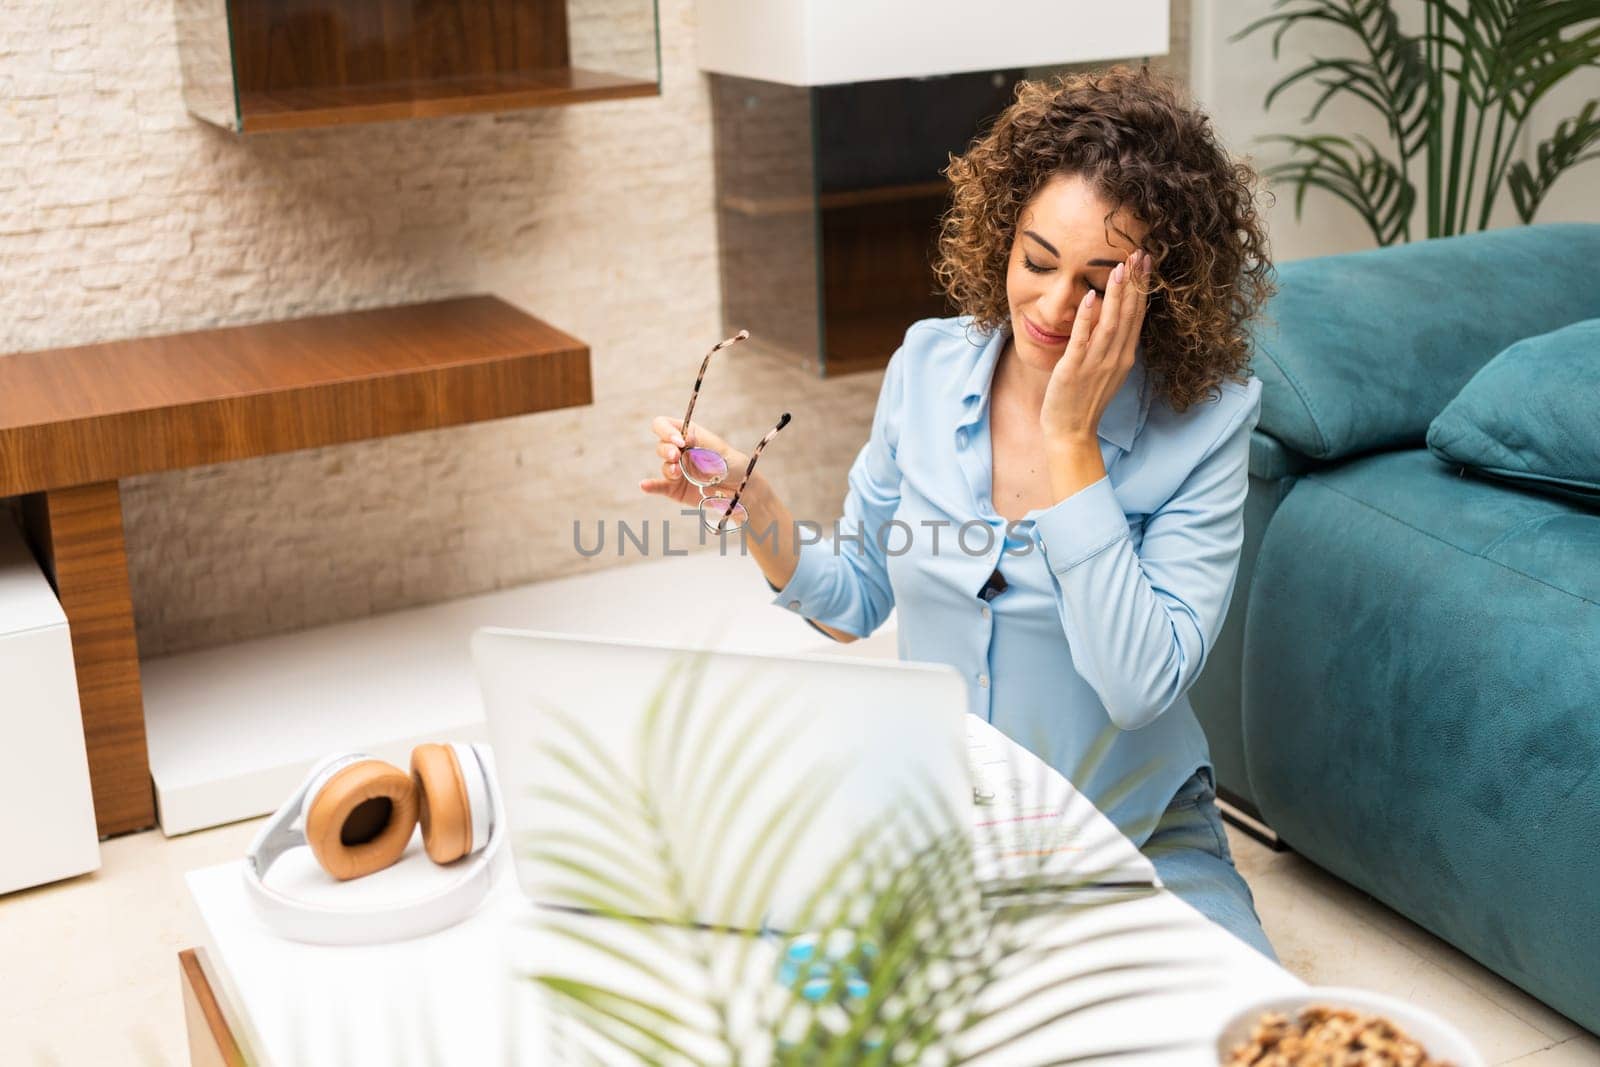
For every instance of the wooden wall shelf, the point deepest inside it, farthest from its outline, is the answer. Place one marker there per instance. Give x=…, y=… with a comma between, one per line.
x=883, y=194
x=299, y=109
x=258, y=66
x=73, y=421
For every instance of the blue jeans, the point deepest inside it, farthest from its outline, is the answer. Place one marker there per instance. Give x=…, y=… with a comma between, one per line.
x=1191, y=855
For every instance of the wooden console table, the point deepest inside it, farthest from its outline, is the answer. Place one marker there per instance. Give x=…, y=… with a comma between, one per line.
x=75, y=420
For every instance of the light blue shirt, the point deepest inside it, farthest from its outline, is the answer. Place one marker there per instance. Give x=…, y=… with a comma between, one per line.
x=1114, y=595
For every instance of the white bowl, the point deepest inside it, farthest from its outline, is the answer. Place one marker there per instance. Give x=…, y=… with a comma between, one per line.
x=1441, y=1040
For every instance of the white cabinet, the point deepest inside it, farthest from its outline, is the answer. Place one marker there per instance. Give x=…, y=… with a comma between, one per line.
x=47, y=828
x=826, y=42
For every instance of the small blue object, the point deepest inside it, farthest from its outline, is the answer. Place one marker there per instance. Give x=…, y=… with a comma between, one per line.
x=815, y=975
x=816, y=988
x=802, y=948
x=826, y=976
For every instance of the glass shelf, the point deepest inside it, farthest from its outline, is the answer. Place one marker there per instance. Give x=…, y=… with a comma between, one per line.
x=828, y=207
x=256, y=66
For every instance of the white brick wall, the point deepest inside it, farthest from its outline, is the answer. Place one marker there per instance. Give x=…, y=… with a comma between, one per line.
x=120, y=215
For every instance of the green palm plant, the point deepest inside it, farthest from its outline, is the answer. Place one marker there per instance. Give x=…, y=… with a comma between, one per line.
x=1499, y=56
x=899, y=954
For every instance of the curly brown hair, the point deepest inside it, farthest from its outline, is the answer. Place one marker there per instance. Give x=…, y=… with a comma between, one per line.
x=1142, y=147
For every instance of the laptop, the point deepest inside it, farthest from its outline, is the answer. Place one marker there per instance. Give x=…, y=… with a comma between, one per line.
x=719, y=787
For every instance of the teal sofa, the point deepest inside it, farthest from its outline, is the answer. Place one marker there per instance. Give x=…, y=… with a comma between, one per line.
x=1407, y=686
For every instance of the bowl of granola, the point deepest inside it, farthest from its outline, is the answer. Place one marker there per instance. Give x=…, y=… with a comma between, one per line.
x=1329, y=1027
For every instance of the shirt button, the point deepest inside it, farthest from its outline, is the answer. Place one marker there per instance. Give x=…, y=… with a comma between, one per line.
x=794, y=605
x=961, y=438
x=983, y=680
x=984, y=611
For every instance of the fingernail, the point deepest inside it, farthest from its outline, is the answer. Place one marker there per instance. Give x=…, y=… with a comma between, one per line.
x=1118, y=274
x=1088, y=300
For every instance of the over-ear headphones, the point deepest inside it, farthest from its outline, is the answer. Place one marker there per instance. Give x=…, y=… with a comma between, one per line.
x=357, y=814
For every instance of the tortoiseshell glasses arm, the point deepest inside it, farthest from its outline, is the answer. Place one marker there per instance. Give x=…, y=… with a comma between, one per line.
x=719, y=346
x=733, y=503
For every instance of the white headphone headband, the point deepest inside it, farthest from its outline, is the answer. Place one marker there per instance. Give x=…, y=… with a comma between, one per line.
x=299, y=920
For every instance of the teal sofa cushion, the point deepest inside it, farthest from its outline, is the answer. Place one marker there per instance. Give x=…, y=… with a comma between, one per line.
x=1358, y=352
x=1532, y=415
x=1420, y=718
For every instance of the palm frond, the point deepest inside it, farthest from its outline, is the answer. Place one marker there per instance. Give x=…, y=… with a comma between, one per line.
x=1500, y=57
x=1565, y=148
x=1391, y=74
x=910, y=948
x=1358, y=174
x=1333, y=12
x=1521, y=50
x=637, y=1026
x=715, y=821
x=597, y=888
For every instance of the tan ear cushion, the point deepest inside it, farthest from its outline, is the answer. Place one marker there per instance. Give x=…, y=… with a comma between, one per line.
x=377, y=840
x=442, y=803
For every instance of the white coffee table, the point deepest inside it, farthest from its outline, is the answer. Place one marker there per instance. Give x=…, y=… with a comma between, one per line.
x=454, y=997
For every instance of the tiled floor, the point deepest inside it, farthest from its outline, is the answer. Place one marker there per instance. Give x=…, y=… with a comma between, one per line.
x=90, y=972
x=1330, y=934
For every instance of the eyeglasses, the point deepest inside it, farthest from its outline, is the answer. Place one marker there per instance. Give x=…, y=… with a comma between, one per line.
x=704, y=468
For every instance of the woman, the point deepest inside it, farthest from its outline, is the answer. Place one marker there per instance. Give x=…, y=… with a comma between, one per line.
x=1090, y=413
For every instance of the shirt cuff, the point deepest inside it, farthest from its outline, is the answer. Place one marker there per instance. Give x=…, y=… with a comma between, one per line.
x=800, y=594
x=1081, y=526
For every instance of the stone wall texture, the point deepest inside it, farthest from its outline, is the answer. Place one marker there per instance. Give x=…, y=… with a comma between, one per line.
x=121, y=216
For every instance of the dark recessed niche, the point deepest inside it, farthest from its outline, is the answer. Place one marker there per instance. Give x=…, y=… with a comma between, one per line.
x=828, y=207
x=257, y=66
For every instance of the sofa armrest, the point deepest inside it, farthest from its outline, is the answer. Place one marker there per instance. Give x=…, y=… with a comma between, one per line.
x=1272, y=460
x=1217, y=695
x=1358, y=352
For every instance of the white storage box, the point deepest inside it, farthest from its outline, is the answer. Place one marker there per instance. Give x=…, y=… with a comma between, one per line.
x=826, y=42
x=47, y=828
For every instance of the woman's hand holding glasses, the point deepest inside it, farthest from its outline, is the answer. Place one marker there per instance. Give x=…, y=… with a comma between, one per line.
x=670, y=446
x=699, y=468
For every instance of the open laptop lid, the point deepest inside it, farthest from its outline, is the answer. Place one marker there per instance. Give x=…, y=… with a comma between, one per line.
x=662, y=780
